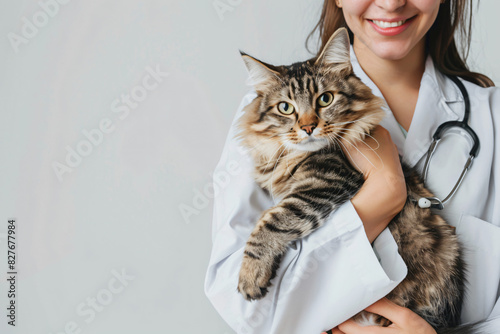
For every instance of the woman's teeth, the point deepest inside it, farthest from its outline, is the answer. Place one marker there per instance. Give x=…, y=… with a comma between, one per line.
x=385, y=24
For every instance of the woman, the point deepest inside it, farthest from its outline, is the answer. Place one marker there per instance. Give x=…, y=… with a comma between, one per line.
x=401, y=49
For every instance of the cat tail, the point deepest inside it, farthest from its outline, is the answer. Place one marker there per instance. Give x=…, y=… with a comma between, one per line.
x=480, y=327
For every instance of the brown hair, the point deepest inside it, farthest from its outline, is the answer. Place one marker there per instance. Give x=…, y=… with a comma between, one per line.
x=455, y=16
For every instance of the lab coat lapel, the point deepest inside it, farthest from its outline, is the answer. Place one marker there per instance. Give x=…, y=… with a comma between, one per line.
x=438, y=101
x=436, y=104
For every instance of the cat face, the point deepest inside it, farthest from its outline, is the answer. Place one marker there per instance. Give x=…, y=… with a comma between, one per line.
x=310, y=105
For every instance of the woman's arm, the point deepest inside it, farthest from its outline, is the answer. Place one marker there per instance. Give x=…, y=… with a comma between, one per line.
x=383, y=194
x=404, y=321
x=323, y=279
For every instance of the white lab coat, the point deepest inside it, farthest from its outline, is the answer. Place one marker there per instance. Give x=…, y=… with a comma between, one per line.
x=329, y=276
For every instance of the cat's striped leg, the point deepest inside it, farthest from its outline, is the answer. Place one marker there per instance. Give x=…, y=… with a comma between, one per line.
x=296, y=216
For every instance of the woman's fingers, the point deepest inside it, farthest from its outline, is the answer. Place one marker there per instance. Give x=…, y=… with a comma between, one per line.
x=376, y=153
x=403, y=320
x=389, y=310
x=351, y=327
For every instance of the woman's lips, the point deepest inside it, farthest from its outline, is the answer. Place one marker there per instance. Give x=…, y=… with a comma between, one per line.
x=391, y=27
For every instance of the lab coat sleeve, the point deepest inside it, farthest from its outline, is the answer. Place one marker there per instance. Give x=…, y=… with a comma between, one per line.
x=323, y=279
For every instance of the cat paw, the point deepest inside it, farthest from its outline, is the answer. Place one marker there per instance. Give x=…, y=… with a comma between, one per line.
x=255, y=278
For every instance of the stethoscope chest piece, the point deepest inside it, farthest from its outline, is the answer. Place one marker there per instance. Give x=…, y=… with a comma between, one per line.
x=424, y=203
x=434, y=202
x=430, y=202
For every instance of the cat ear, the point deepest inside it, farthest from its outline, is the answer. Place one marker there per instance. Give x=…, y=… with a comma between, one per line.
x=336, y=50
x=258, y=71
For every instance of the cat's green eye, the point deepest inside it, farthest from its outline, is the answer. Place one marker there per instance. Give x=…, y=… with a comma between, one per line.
x=285, y=108
x=325, y=99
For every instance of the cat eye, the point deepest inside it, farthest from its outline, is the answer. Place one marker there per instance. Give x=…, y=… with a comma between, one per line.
x=325, y=99
x=285, y=108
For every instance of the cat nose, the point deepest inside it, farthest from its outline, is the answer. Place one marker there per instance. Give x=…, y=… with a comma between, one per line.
x=308, y=128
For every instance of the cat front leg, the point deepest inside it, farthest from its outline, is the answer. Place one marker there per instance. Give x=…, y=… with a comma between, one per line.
x=294, y=218
x=262, y=255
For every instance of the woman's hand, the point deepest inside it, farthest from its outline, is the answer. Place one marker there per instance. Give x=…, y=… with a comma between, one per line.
x=404, y=321
x=383, y=194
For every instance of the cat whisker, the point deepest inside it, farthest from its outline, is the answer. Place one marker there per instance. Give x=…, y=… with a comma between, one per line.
x=357, y=149
x=272, y=156
x=364, y=133
x=255, y=147
x=346, y=150
x=335, y=144
x=368, y=146
x=264, y=143
x=288, y=167
x=350, y=122
x=272, y=175
x=361, y=141
x=341, y=123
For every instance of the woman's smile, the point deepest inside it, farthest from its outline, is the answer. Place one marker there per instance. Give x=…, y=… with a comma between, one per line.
x=390, y=27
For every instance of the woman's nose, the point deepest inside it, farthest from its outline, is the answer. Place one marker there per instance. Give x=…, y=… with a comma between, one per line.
x=390, y=5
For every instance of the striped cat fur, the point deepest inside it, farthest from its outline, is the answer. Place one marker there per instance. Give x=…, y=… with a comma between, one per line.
x=293, y=130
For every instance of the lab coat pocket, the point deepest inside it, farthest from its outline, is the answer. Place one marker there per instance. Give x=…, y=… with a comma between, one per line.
x=481, y=243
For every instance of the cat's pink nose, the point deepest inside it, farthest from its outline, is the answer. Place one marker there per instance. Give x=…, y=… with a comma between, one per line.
x=308, y=128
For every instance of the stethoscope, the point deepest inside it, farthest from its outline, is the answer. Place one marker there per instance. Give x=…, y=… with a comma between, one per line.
x=434, y=202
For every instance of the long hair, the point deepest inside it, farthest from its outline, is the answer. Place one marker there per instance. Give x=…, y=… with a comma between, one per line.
x=454, y=18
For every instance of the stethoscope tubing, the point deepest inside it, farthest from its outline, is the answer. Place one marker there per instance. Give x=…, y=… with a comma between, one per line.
x=435, y=202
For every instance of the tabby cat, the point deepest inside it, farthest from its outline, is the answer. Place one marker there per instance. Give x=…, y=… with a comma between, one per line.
x=293, y=128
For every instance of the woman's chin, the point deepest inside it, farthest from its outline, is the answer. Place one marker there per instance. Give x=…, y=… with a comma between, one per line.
x=391, y=50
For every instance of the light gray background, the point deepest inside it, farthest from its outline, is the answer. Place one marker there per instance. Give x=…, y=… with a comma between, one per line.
x=119, y=209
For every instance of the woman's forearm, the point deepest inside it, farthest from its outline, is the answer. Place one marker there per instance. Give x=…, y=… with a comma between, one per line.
x=383, y=194
x=381, y=197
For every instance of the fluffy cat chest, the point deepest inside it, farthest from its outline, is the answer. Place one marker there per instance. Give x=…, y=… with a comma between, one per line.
x=314, y=170
x=276, y=177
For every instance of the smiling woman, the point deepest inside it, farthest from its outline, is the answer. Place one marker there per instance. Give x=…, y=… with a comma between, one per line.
x=403, y=51
x=450, y=28
x=391, y=31
x=427, y=29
